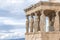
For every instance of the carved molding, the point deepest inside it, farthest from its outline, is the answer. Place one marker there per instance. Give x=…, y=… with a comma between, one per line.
x=41, y=3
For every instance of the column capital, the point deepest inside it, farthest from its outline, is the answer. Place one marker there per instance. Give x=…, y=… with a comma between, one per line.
x=57, y=10
x=57, y=13
x=38, y=12
x=42, y=12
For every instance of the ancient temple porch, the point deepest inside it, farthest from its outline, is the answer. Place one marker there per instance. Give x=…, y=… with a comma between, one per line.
x=36, y=21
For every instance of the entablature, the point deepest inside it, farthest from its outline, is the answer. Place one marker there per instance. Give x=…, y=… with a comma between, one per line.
x=42, y=6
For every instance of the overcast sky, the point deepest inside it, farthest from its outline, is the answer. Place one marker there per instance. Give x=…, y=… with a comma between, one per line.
x=12, y=18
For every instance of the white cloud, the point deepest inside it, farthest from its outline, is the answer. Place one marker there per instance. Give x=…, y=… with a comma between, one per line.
x=15, y=33
x=3, y=36
x=4, y=3
x=10, y=35
x=13, y=6
x=36, y=1
x=15, y=1
x=12, y=22
x=9, y=21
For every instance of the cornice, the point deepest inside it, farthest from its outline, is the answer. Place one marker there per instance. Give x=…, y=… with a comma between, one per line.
x=41, y=3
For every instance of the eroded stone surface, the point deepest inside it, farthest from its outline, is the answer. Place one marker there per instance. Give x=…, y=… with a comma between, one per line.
x=36, y=25
x=44, y=36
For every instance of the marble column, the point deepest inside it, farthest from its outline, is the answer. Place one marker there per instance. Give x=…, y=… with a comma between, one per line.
x=31, y=23
x=56, y=24
x=42, y=21
x=27, y=23
x=36, y=23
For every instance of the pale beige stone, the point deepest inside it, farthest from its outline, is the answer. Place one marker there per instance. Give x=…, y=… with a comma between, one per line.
x=56, y=24
x=42, y=21
x=40, y=11
x=27, y=24
x=36, y=23
x=31, y=23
